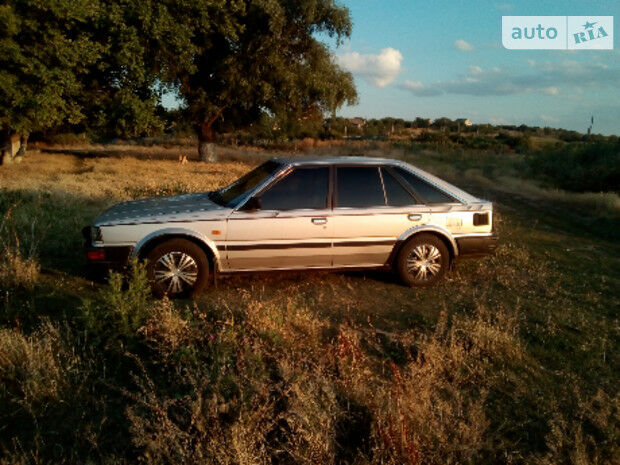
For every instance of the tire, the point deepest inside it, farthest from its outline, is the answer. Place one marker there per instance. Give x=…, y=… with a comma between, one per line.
x=177, y=268
x=423, y=261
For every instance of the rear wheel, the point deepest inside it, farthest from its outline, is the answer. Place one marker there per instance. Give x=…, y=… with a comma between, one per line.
x=177, y=268
x=423, y=261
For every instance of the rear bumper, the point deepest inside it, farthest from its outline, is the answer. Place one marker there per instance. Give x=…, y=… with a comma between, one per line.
x=476, y=246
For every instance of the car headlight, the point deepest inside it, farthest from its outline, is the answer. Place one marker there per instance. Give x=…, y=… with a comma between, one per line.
x=92, y=234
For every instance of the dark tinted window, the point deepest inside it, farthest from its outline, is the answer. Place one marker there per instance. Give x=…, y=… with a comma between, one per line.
x=428, y=193
x=303, y=188
x=397, y=195
x=359, y=187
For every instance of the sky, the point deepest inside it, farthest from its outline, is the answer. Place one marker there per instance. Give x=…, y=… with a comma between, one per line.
x=431, y=59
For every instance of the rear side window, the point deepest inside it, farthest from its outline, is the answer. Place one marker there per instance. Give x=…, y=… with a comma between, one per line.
x=397, y=195
x=359, y=187
x=428, y=193
x=303, y=188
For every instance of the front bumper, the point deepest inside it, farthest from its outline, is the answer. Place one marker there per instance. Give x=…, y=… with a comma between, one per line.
x=103, y=257
x=476, y=246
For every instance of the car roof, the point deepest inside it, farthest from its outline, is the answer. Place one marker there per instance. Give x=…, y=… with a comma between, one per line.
x=456, y=192
x=299, y=161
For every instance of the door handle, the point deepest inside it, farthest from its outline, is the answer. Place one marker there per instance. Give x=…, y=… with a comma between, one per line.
x=414, y=217
x=319, y=220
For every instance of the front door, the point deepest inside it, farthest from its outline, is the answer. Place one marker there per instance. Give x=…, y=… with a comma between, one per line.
x=291, y=229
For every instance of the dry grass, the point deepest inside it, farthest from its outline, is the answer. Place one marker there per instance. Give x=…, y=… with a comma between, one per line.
x=33, y=369
x=17, y=267
x=114, y=179
x=511, y=360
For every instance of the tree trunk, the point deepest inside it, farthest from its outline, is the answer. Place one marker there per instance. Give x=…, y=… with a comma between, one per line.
x=206, y=142
x=4, y=147
x=9, y=147
x=23, y=144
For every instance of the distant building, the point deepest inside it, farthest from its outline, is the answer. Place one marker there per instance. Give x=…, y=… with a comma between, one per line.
x=357, y=122
x=464, y=121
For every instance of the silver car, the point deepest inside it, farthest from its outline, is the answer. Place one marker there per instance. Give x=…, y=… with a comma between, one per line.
x=298, y=214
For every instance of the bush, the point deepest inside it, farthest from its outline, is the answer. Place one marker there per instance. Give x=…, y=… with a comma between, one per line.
x=580, y=167
x=434, y=138
x=123, y=306
x=68, y=139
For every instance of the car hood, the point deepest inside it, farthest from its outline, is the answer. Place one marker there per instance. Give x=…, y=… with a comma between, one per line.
x=189, y=207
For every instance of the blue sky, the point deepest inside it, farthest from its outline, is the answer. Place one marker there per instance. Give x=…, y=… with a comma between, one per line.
x=445, y=58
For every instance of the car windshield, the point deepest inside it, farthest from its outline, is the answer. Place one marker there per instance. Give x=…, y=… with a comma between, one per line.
x=231, y=195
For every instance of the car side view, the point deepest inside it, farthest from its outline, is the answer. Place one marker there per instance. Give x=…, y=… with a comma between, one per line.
x=294, y=214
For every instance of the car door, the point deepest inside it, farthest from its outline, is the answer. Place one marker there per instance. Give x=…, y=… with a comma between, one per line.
x=291, y=229
x=372, y=209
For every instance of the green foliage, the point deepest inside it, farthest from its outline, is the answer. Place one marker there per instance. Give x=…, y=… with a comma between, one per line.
x=434, y=138
x=125, y=304
x=45, y=50
x=580, y=167
x=102, y=66
x=250, y=57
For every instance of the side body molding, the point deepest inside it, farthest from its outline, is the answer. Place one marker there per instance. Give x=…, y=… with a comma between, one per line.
x=429, y=228
x=178, y=232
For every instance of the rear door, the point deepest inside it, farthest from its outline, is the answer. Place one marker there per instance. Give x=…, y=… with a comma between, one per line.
x=292, y=229
x=371, y=209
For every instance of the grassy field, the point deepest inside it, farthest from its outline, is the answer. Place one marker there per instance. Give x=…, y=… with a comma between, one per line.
x=512, y=359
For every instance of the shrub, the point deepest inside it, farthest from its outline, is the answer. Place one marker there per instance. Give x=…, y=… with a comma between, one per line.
x=121, y=308
x=68, y=139
x=579, y=167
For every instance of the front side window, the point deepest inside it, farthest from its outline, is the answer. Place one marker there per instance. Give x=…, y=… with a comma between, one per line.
x=359, y=187
x=428, y=193
x=304, y=188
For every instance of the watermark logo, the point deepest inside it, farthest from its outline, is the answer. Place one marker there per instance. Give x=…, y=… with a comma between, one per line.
x=558, y=32
x=590, y=32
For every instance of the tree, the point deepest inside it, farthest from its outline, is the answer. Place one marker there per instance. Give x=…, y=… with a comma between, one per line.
x=240, y=59
x=45, y=48
x=104, y=64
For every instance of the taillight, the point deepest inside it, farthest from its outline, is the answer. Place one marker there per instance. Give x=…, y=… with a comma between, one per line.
x=95, y=255
x=481, y=219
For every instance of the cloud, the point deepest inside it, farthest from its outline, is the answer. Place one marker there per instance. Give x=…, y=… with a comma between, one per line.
x=505, y=7
x=419, y=89
x=380, y=69
x=548, y=78
x=548, y=118
x=463, y=46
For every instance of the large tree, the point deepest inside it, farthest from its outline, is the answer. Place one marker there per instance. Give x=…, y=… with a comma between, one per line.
x=69, y=62
x=106, y=62
x=45, y=48
x=239, y=59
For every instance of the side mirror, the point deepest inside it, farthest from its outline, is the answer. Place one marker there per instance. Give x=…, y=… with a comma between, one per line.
x=253, y=204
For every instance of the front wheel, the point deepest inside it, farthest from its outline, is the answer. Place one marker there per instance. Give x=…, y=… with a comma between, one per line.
x=423, y=261
x=177, y=268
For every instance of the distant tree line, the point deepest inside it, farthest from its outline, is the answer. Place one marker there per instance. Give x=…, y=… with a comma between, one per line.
x=443, y=132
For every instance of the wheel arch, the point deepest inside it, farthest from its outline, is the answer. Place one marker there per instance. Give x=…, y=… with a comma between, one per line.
x=149, y=242
x=441, y=233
